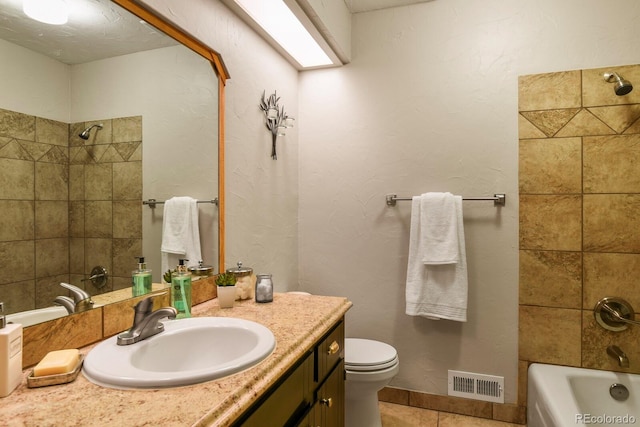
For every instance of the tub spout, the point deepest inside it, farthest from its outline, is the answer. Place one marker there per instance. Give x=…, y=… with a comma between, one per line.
x=615, y=352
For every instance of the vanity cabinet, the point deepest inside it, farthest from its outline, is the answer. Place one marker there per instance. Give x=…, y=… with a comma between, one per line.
x=310, y=394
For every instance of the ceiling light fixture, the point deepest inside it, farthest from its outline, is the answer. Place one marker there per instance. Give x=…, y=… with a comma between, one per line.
x=282, y=25
x=54, y=12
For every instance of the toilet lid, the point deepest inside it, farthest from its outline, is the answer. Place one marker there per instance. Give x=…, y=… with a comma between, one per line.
x=364, y=355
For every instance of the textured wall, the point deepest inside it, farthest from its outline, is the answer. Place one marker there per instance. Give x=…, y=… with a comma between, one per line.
x=429, y=103
x=579, y=202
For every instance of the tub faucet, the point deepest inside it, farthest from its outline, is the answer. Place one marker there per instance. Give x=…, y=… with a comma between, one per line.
x=81, y=300
x=146, y=323
x=615, y=352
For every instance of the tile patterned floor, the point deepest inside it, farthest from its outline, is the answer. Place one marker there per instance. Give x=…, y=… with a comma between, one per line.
x=405, y=416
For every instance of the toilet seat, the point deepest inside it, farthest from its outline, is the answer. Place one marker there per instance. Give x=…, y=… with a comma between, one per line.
x=365, y=355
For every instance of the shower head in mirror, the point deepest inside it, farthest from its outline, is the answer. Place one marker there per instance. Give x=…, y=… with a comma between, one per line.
x=85, y=133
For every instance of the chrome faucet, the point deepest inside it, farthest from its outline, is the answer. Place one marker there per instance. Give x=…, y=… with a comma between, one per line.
x=146, y=323
x=81, y=300
x=615, y=352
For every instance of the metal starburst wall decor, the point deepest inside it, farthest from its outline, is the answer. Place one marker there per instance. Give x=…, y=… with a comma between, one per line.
x=276, y=119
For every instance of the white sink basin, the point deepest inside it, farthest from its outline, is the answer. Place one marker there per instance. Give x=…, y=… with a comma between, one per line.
x=189, y=351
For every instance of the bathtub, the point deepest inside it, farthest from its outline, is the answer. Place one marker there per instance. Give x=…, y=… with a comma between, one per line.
x=561, y=396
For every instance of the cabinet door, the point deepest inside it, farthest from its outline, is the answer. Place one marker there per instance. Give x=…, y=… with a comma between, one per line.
x=331, y=398
x=287, y=402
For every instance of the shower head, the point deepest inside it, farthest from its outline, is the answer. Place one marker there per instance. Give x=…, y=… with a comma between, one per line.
x=622, y=87
x=85, y=133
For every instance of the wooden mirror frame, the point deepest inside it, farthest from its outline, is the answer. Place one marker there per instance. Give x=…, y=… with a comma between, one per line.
x=221, y=71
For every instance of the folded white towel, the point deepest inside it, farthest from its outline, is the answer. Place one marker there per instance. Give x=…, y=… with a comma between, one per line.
x=437, y=289
x=439, y=228
x=180, y=232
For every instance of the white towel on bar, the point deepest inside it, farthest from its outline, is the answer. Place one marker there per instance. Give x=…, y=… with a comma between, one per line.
x=437, y=281
x=180, y=232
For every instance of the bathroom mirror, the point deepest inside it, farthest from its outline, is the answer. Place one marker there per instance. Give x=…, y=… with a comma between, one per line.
x=146, y=104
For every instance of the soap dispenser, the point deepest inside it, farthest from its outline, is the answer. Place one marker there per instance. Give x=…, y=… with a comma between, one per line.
x=10, y=355
x=141, y=279
x=181, y=290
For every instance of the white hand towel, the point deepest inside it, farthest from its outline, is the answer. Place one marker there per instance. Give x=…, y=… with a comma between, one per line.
x=437, y=290
x=180, y=232
x=439, y=228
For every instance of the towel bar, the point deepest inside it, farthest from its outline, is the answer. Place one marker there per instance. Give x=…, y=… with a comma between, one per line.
x=498, y=199
x=153, y=202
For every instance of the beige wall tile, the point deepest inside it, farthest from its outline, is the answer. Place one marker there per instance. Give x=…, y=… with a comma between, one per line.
x=527, y=130
x=76, y=256
x=549, y=91
x=550, y=166
x=52, y=219
x=52, y=257
x=48, y=288
x=127, y=181
x=98, y=219
x=394, y=395
x=98, y=252
x=611, y=275
x=584, y=123
x=127, y=129
x=597, y=92
x=550, y=121
x=98, y=183
x=17, y=125
x=612, y=222
x=619, y=118
x=18, y=296
x=550, y=222
x=16, y=179
x=127, y=219
x=523, y=381
x=76, y=219
x=596, y=339
x=550, y=335
x=509, y=413
x=611, y=164
x=52, y=132
x=52, y=181
x=17, y=258
x=17, y=220
x=76, y=182
x=125, y=252
x=551, y=278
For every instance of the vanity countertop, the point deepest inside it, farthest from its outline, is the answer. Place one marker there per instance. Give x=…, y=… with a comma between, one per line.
x=297, y=321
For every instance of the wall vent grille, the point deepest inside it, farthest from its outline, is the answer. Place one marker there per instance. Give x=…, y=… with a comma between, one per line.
x=489, y=388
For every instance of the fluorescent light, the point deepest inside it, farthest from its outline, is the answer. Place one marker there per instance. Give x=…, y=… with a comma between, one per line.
x=54, y=12
x=282, y=25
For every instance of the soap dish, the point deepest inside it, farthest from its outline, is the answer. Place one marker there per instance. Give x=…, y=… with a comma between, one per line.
x=47, y=380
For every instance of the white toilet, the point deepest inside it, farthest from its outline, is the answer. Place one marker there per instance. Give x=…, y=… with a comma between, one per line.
x=369, y=365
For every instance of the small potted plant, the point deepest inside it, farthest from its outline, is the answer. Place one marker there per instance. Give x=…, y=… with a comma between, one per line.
x=226, y=283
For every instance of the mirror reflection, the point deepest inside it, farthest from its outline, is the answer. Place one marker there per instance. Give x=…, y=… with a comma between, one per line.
x=93, y=116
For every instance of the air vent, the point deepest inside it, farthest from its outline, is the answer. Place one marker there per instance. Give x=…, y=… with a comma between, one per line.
x=489, y=388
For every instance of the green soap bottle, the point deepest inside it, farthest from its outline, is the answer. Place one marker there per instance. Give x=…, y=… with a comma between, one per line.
x=141, y=279
x=181, y=290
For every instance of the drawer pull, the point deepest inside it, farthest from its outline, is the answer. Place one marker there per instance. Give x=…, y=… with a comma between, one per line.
x=334, y=348
x=328, y=402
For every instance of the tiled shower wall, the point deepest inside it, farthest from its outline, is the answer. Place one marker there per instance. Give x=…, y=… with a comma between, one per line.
x=66, y=206
x=579, y=183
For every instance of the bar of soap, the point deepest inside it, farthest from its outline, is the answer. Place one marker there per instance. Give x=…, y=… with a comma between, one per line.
x=57, y=362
